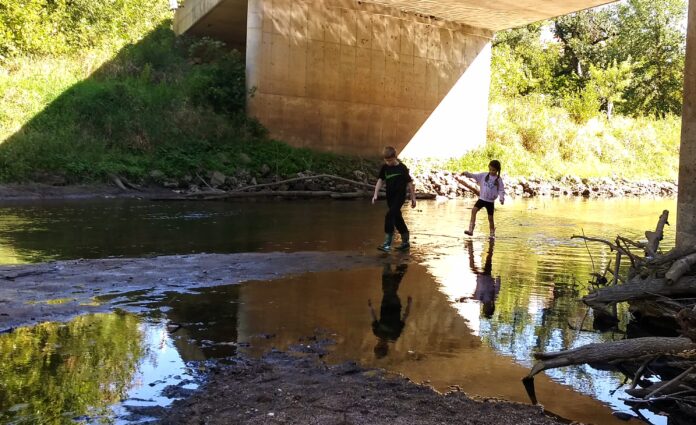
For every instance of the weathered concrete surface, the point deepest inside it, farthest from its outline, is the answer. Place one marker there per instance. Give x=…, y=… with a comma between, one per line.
x=57, y=291
x=348, y=76
x=686, y=199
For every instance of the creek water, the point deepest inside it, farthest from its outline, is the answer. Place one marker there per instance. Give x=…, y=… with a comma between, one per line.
x=456, y=311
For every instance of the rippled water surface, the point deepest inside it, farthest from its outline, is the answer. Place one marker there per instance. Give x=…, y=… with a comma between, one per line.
x=466, y=312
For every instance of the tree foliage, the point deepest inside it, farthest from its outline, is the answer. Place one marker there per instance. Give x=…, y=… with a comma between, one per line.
x=56, y=27
x=631, y=53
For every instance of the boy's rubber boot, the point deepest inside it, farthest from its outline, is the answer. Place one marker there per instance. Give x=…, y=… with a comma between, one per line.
x=386, y=245
x=405, y=245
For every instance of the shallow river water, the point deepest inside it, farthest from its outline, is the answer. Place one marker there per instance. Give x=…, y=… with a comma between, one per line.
x=465, y=312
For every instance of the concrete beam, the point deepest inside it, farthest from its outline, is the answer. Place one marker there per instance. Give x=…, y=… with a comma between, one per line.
x=224, y=20
x=492, y=15
x=686, y=199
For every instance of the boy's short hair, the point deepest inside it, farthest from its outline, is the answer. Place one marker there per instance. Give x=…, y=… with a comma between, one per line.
x=389, y=152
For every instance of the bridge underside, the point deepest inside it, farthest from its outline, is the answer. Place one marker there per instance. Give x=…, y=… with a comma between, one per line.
x=352, y=76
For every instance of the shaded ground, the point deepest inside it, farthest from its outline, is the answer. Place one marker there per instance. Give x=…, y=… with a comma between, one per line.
x=297, y=388
x=56, y=291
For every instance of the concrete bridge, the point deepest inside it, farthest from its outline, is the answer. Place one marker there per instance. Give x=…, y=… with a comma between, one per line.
x=352, y=76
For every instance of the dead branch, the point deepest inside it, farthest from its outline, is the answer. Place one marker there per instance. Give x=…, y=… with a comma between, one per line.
x=655, y=237
x=209, y=186
x=679, y=268
x=673, y=255
x=617, y=264
x=639, y=372
x=672, y=382
x=295, y=179
x=604, y=241
x=117, y=181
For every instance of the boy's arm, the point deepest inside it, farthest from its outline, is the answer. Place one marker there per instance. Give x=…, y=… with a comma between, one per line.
x=412, y=189
x=378, y=186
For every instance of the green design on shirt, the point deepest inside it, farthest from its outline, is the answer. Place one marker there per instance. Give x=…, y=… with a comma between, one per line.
x=388, y=176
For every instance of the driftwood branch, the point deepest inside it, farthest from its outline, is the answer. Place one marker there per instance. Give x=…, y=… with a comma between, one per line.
x=655, y=237
x=604, y=241
x=679, y=268
x=672, y=382
x=604, y=353
x=296, y=179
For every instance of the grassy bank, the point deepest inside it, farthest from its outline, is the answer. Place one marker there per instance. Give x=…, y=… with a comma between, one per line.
x=175, y=105
x=533, y=138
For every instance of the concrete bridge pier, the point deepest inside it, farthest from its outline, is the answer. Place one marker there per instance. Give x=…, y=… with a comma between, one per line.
x=686, y=201
x=352, y=77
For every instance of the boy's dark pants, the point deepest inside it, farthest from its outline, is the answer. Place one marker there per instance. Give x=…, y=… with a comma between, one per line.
x=393, y=218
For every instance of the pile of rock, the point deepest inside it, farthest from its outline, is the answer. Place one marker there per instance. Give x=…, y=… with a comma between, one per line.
x=434, y=182
x=452, y=185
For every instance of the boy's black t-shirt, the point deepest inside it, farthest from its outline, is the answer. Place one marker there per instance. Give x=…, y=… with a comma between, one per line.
x=397, y=178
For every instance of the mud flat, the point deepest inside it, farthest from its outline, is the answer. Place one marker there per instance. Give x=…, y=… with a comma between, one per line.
x=57, y=291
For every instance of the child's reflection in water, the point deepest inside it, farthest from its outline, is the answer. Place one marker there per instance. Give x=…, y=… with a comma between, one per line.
x=487, y=287
x=390, y=323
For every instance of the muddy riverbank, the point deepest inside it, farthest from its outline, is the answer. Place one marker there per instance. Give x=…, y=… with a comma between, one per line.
x=296, y=387
x=59, y=290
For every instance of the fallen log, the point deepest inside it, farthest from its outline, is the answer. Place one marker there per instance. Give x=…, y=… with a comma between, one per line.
x=680, y=268
x=608, y=352
x=638, y=289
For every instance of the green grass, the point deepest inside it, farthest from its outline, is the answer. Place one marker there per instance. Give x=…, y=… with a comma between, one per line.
x=164, y=103
x=532, y=138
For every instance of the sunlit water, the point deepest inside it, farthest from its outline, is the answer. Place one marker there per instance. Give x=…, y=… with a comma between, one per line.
x=464, y=327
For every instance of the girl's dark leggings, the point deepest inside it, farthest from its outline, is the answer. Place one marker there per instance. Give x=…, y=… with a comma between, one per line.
x=393, y=218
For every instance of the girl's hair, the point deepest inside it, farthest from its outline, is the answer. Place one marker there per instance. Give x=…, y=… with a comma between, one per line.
x=495, y=164
x=389, y=152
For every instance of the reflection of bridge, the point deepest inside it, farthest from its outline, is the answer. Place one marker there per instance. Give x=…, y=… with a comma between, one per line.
x=352, y=76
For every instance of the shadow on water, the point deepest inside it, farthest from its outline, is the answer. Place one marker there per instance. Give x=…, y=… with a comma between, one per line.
x=478, y=309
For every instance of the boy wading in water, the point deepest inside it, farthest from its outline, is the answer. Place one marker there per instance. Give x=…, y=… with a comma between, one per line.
x=397, y=178
x=492, y=187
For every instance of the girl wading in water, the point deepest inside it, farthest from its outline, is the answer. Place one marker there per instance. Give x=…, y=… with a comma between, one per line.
x=492, y=187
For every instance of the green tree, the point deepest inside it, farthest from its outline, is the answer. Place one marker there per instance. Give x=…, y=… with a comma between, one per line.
x=652, y=34
x=610, y=83
x=522, y=63
x=584, y=36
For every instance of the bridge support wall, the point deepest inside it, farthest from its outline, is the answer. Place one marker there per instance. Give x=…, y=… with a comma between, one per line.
x=350, y=77
x=686, y=201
